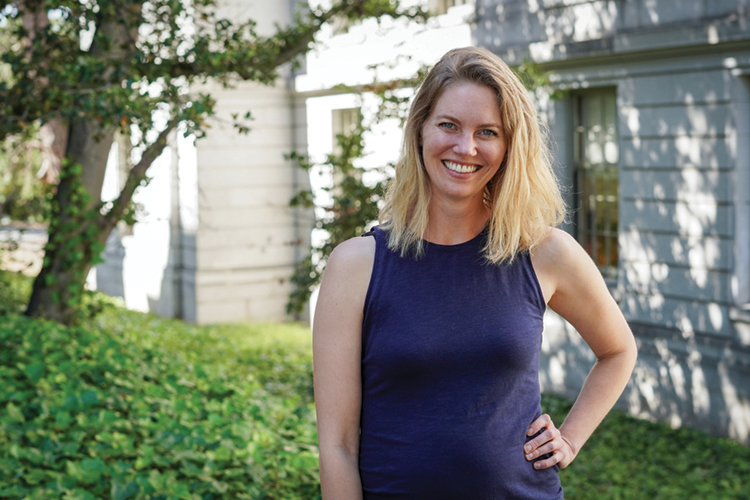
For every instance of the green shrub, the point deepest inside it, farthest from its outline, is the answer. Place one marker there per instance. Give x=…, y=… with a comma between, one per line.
x=122, y=413
x=131, y=406
x=15, y=289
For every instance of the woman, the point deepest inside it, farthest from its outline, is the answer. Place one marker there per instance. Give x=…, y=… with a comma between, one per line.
x=427, y=332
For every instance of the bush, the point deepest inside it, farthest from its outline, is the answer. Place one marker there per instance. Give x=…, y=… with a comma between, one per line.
x=131, y=406
x=123, y=413
x=15, y=289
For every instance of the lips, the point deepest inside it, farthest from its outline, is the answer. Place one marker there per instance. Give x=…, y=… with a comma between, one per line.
x=459, y=168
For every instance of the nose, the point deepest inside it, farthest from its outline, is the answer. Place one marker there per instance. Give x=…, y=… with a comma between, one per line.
x=465, y=145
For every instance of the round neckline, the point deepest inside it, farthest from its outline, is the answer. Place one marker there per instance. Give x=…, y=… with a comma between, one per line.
x=456, y=246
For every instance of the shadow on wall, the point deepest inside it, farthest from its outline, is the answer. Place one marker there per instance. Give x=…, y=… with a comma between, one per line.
x=697, y=382
x=677, y=247
x=177, y=294
x=677, y=243
x=109, y=275
x=169, y=292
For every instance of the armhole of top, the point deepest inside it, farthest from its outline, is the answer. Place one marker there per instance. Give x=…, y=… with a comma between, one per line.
x=371, y=284
x=535, y=282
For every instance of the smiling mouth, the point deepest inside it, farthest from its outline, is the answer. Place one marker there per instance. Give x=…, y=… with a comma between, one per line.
x=461, y=169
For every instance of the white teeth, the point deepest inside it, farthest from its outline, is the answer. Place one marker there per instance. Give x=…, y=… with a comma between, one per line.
x=463, y=169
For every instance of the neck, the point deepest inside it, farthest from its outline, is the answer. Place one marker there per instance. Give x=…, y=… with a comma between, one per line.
x=450, y=224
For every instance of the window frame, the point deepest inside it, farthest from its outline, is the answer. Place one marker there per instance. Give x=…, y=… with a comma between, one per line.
x=596, y=186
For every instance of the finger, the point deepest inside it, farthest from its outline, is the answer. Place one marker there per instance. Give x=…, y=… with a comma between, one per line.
x=549, y=447
x=544, y=421
x=548, y=462
x=548, y=435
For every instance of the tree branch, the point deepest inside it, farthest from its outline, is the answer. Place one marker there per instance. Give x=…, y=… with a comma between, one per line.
x=300, y=46
x=136, y=175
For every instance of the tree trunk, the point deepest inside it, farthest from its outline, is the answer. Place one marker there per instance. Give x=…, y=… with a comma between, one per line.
x=59, y=300
x=68, y=258
x=89, y=145
x=76, y=240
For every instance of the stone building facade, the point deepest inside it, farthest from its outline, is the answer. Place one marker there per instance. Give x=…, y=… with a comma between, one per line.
x=652, y=142
x=216, y=240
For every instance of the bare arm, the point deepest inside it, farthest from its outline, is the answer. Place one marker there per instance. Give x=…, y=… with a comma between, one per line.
x=337, y=332
x=574, y=288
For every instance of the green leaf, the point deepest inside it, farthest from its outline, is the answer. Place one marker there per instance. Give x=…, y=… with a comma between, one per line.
x=89, y=398
x=78, y=494
x=123, y=492
x=14, y=413
x=35, y=371
x=223, y=453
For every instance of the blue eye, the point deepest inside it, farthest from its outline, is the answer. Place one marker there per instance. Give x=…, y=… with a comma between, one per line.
x=488, y=133
x=447, y=125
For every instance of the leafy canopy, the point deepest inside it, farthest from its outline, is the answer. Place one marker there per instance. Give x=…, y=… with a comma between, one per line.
x=116, y=62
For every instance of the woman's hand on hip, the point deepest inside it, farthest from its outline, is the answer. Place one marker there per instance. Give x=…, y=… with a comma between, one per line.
x=549, y=441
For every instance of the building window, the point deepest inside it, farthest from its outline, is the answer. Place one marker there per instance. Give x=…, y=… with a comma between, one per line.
x=438, y=7
x=345, y=121
x=596, y=155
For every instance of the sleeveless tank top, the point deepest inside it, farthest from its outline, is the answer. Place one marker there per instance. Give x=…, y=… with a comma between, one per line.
x=450, y=360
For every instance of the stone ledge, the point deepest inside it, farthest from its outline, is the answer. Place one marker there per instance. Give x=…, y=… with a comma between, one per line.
x=740, y=317
x=714, y=35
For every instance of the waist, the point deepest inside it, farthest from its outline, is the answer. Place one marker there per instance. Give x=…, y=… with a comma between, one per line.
x=481, y=458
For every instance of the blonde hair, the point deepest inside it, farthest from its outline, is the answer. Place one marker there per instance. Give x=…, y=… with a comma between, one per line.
x=523, y=197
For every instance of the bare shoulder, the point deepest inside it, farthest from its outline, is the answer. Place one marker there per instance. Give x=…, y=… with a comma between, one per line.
x=577, y=291
x=559, y=260
x=348, y=271
x=557, y=247
x=340, y=309
x=355, y=255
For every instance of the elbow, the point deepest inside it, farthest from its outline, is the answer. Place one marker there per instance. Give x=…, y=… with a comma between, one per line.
x=625, y=353
x=339, y=465
x=631, y=349
x=630, y=354
x=342, y=452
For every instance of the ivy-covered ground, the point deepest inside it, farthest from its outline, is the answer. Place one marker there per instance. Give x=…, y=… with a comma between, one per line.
x=131, y=406
x=631, y=459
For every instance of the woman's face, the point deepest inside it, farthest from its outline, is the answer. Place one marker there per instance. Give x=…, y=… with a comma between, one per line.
x=463, y=143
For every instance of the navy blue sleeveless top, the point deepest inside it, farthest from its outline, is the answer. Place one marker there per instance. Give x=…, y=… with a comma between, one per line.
x=450, y=359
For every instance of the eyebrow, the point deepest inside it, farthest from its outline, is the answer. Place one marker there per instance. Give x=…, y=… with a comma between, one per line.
x=454, y=119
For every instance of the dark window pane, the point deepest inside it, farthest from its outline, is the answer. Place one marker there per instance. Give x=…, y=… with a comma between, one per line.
x=596, y=154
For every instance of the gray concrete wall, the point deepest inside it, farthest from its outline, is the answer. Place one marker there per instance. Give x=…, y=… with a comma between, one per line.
x=216, y=239
x=553, y=30
x=682, y=96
